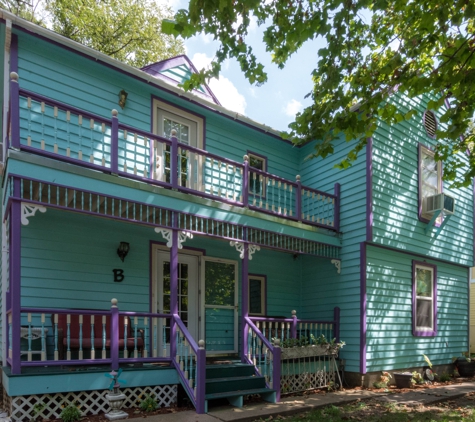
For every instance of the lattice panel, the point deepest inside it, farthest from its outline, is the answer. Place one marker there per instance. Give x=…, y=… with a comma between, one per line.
x=49, y=406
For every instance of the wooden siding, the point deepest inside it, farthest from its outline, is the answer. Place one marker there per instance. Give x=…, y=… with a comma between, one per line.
x=64, y=76
x=321, y=284
x=395, y=195
x=390, y=343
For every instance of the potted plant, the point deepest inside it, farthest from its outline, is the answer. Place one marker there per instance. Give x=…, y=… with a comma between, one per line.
x=294, y=348
x=403, y=379
x=465, y=365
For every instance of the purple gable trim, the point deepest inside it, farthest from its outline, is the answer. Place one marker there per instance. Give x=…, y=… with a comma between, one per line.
x=155, y=69
x=150, y=83
x=363, y=308
x=433, y=332
x=369, y=190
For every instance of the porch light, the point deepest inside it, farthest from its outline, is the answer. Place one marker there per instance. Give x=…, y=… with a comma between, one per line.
x=122, y=98
x=123, y=250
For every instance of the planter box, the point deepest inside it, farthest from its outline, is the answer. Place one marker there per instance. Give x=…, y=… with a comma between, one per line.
x=403, y=379
x=466, y=369
x=306, y=352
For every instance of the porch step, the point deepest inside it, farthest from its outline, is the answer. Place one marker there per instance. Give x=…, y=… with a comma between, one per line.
x=233, y=382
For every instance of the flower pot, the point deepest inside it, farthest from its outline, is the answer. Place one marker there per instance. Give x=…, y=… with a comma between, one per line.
x=308, y=351
x=403, y=379
x=466, y=368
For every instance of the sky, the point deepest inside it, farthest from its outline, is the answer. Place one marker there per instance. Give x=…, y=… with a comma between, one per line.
x=276, y=102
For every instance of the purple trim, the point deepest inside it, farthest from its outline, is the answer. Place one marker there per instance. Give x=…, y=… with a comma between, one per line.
x=114, y=333
x=15, y=280
x=198, y=115
x=369, y=190
x=363, y=308
x=14, y=114
x=14, y=53
x=424, y=122
x=433, y=332
x=115, y=144
x=201, y=381
x=265, y=289
x=148, y=82
x=336, y=210
x=244, y=295
x=173, y=283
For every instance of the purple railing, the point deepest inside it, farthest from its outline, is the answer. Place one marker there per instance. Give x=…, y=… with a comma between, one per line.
x=47, y=127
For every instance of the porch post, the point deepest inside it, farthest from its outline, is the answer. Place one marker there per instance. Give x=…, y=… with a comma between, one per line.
x=173, y=284
x=114, y=332
x=244, y=294
x=15, y=278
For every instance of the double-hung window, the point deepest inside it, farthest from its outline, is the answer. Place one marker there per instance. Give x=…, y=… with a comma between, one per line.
x=430, y=178
x=424, y=292
x=257, y=295
x=257, y=180
x=189, y=132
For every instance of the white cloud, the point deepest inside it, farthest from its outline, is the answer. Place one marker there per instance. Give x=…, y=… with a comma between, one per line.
x=293, y=107
x=223, y=88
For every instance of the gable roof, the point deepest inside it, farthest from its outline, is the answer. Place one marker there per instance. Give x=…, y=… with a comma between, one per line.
x=178, y=70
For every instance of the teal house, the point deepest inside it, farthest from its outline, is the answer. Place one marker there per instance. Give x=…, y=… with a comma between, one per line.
x=151, y=231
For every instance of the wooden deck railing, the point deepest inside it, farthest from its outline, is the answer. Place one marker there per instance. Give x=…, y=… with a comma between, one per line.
x=50, y=128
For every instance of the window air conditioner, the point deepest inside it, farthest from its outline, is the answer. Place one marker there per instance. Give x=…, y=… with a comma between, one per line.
x=439, y=202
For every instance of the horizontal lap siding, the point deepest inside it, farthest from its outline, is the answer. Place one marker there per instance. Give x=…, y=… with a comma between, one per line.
x=390, y=343
x=396, y=201
x=322, y=287
x=62, y=75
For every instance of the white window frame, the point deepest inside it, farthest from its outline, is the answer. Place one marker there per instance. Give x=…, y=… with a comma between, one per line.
x=426, y=189
x=425, y=330
x=195, y=123
x=263, y=281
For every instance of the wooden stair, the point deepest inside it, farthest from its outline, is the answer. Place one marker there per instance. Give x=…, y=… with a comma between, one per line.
x=233, y=381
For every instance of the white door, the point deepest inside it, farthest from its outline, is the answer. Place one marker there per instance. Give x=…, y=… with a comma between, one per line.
x=219, y=321
x=188, y=283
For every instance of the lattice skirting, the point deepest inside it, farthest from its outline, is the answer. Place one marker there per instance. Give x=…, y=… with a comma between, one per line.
x=49, y=406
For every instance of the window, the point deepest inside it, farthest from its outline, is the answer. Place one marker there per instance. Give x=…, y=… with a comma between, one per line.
x=257, y=180
x=257, y=295
x=430, y=178
x=424, y=293
x=189, y=129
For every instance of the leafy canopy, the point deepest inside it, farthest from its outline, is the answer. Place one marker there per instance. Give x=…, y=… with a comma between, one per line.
x=372, y=48
x=128, y=30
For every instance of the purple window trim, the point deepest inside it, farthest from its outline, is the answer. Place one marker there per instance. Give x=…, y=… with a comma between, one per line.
x=262, y=276
x=424, y=123
x=197, y=115
x=419, y=182
x=369, y=190
x=363, y=298
x=433, y=332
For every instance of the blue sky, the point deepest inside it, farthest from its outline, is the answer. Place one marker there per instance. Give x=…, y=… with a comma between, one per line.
x=276, y=102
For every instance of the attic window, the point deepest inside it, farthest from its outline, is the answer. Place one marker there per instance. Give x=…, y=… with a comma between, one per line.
x=430, y=123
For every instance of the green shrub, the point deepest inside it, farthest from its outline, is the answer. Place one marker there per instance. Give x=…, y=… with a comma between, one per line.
x=70, y=413
x=149, y=404
x=444, y=377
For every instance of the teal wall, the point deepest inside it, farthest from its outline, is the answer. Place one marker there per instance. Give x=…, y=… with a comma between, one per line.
x=321, y=284
x=390, y=343
x=60, y=74
x=395, y=194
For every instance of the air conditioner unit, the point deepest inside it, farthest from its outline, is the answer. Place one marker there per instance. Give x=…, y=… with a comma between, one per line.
x=439, y=202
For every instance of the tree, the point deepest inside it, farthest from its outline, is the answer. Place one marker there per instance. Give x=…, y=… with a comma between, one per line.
x=128, y=30
x=372, y=49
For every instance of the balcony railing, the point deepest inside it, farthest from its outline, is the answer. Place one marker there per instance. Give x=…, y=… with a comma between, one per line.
x=50, y=128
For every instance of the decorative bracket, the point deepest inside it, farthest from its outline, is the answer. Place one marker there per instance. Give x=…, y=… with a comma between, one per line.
x=240, y=248
x=29, y=210
x=167, y=235
x=337, y=263
x=431, y=224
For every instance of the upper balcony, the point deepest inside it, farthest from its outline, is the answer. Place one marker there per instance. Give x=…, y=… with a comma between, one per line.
x=49, y=128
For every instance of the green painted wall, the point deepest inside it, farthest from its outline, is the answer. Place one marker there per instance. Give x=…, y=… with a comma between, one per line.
x=395, y=194
x=322, y=287
x=390, y=343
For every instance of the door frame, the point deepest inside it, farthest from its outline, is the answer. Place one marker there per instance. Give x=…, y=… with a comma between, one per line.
x=202, y=329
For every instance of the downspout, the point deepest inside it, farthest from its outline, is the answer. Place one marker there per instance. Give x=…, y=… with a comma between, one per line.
x=6, y=97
